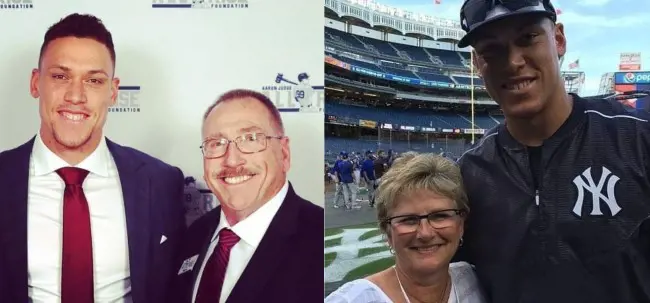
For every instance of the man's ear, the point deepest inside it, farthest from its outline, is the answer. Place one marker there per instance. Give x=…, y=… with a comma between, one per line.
x=115, y=86
x=286, y=154
x=560, y=39
x=33, y=83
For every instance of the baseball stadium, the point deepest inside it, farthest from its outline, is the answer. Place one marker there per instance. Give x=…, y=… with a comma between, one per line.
x=396, y=81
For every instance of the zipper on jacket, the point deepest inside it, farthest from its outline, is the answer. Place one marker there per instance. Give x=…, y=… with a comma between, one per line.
x=540, y=180
x=542, y=221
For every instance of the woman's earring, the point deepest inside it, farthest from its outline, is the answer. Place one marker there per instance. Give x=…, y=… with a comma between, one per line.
x=390, y=249
x=461, y=242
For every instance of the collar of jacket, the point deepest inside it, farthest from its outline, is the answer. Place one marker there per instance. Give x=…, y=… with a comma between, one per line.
x=566, y=129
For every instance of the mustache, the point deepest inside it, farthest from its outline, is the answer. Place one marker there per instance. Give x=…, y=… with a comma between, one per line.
x=231, y=172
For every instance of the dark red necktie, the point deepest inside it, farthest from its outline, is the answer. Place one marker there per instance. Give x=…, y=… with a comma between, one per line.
x=77, y=268
x=215, y=270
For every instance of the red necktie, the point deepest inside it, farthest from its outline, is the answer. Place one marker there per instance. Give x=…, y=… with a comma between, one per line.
x=77, y=268
x=215, y=270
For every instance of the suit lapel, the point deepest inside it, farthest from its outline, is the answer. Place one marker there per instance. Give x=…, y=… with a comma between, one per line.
x=205, y=244
x=137, y=205
x=270, y=254
x=14, y=175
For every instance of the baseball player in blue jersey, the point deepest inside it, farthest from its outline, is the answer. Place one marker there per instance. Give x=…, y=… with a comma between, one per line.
x=368, y=174
x=338, y=193
x=356, y=168
x=345, y=174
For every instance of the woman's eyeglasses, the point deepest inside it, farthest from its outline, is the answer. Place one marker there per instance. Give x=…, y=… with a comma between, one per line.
x=438, y=220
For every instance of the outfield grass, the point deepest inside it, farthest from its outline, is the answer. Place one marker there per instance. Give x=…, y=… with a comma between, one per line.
x=370, y=234
x=333, y=242
x=371, y=251
x=338, y=230
x=333, y=231
x=329, y=258
x=363, y=270
x=369, y=269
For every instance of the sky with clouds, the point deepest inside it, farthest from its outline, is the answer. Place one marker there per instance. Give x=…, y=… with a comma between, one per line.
x=597, y=31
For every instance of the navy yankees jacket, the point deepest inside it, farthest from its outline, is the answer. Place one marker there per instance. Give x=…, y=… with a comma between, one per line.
x=581, y=233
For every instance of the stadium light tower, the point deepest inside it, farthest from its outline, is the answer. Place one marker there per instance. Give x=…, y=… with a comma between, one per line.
x=606, y=84
x=573, y=81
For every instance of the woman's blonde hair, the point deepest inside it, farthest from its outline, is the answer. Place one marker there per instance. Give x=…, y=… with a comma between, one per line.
x=411, y=172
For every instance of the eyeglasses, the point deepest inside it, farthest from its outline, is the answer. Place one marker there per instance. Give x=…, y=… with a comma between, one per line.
x=248, y=143
x=405, y=224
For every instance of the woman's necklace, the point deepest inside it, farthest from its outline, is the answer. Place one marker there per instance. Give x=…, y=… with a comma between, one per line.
x=406, y=296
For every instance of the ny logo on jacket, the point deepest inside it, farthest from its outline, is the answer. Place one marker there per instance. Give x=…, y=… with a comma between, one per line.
x=585, y=181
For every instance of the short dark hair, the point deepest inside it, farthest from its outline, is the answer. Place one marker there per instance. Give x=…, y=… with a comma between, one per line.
x=246, y=93
x=79, y=26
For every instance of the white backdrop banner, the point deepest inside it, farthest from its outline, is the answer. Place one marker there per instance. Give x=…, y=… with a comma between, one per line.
x=174, y=58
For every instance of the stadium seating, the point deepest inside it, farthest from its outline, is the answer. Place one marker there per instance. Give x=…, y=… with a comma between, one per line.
x=468, y=80
x=411, y=117
x=434, y=77
x=400, y=70
x=405, y=61
x=397, y=50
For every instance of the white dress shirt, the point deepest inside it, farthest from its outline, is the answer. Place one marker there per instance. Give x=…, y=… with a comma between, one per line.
x=250, y=231
x=103, y=192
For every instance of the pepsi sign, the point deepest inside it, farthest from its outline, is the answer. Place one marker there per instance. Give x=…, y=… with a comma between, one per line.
x=632, y=78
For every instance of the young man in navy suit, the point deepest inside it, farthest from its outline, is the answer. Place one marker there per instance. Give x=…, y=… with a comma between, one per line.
x=264, y=243
x=84, y=219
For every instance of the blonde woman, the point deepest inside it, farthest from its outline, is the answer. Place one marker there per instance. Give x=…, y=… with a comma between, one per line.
x=421, y=208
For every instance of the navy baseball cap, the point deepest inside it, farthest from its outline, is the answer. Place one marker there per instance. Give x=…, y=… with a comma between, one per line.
x=477, y=13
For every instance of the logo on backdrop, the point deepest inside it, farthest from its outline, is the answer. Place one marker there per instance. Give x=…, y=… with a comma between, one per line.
x=199, y=4
x=128, y=100
x=295, y=95
x=16, y=4
x=198, y=199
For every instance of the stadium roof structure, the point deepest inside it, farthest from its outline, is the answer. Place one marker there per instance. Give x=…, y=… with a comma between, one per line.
x=375, y=15
x=403, y=57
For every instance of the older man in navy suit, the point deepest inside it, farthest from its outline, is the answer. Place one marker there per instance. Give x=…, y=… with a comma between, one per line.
x=84, y=219
x=264, y=243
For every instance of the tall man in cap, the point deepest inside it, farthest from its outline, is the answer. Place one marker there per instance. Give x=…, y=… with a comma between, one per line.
x=560, y=194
